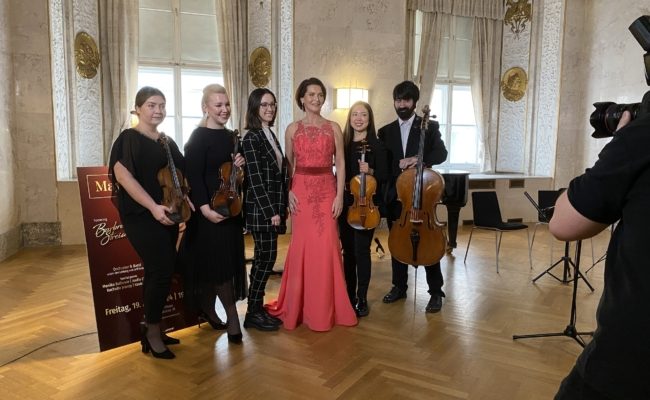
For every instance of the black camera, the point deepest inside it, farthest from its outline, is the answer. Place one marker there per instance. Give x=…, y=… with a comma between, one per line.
x=607, y=114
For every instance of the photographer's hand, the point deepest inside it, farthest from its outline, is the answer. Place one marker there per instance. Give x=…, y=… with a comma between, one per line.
x=625, y=119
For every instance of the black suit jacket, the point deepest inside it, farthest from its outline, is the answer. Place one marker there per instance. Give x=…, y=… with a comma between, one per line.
x=434, y=153
x=267, y=183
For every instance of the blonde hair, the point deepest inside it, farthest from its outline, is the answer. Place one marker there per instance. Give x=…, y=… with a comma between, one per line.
x=213, y=88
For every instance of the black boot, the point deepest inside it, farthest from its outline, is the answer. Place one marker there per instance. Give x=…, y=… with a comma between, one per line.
x=256, y=318
x=361, y=308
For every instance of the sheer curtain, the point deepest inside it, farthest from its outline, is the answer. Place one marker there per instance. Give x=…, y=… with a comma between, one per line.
x=484, y=76
x=232, y=19
x=485, y=57
x=118, y=39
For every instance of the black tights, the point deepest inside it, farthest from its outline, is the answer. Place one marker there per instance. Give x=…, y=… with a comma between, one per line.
x=226, y=293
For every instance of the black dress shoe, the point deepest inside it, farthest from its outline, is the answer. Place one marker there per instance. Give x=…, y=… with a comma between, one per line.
x=258, y=320
x=361, y=308
x=271, y=318
x=435, y=304
x=394, y=295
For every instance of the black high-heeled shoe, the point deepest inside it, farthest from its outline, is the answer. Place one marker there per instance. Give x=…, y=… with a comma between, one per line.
x=167, y=340
x=146, y=348
x=236, y=338
x=217, y=325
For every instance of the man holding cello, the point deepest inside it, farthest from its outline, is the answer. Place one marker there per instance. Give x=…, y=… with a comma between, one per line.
x=401, y=138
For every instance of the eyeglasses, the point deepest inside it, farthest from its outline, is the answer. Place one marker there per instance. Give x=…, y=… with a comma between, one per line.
x=267, y=105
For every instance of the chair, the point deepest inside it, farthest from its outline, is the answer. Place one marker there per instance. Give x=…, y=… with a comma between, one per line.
x=546, y=201
x=487, y=215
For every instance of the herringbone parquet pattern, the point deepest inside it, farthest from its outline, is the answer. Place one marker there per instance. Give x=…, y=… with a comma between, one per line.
x=398, y=352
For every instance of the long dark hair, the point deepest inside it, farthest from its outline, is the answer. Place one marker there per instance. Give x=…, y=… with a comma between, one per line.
x=253, y=120
x=348, y=132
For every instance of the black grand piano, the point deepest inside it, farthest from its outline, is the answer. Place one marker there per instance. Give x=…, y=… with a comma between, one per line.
x=454, y=198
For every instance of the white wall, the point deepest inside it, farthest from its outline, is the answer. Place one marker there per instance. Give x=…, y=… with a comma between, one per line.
x=359, y=42
x=8, y=213
x=604, y=63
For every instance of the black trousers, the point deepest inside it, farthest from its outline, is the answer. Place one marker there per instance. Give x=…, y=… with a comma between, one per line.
x=356, y=257
x=155, y=243
x=433, y=272
x=265, y=254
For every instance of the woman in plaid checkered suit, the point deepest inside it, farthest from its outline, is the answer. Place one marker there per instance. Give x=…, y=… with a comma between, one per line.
x=265, y=201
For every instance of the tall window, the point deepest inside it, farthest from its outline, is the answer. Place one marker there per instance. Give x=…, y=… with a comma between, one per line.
x=179, y=54
x=451, y=101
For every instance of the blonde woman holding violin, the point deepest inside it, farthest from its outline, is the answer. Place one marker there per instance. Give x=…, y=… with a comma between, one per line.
x=136, y=158
x=215, y=242
x=360, y=138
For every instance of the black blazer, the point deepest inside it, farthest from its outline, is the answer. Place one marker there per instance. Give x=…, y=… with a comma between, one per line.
x=267, y=183
x=434, y=153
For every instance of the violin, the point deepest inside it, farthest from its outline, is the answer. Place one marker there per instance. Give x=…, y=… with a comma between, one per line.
x=363, y=214
x=417, y=237
x=227, y=200
x=174, y=186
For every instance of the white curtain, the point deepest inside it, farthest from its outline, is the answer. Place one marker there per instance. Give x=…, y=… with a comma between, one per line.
x=484, y=75
x=485, y=57
x=232, y=19
x=433, y=26
x=118, y=41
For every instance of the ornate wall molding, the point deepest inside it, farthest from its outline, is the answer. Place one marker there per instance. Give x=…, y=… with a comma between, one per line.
x=547, y=102
x=285, y=85
x=513, y=127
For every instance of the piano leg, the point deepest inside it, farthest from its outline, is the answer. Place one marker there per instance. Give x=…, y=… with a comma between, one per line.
x=453, y=213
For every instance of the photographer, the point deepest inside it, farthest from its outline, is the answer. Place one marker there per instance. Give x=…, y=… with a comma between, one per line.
x=615, y=364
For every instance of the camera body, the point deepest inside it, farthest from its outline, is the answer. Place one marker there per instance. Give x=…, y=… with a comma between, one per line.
x=607, y=114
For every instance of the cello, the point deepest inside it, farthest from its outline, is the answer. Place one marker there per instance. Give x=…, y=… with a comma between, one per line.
x=174, y=186
x=417, y=237
x=227, y=200
x=363, y=214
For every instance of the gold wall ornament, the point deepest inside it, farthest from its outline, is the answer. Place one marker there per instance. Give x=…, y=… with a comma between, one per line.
x=259, y=67
x=514, y=83
x=86, y=55
x=518, y=14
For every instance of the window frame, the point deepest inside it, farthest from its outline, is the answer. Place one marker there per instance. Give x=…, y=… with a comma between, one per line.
x=177, y=66
x=447, y=83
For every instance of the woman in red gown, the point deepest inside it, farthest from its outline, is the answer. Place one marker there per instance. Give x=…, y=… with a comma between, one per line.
x=313, y=289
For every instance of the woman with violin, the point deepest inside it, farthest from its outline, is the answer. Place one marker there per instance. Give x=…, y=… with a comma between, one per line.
x=266, y=201
x=215, y=242
x=139, y=167
x=365, y=166
x=401, y=138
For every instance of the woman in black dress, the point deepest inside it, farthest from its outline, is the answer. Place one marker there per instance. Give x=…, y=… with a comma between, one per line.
x=215, y=243
x=136, y=158
x=359, y=131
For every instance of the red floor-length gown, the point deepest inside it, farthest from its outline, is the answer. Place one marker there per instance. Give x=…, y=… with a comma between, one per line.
x=313, y=289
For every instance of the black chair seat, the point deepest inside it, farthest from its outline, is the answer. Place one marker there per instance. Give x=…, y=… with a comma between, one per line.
x=487, y=215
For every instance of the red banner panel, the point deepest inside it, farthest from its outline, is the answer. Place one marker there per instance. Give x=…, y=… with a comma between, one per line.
x=116, y=272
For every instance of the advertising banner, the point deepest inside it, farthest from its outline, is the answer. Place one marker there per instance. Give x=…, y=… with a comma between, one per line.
x=116, y=272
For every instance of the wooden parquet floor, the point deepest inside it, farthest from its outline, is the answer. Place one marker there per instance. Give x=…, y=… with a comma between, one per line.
x=398, y=352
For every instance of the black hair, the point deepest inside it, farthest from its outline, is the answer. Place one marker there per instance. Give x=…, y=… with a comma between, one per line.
x=406, y=90
x=253, y=120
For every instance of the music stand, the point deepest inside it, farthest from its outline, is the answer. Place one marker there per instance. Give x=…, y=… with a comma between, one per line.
x=570, y=329
x=565, y=260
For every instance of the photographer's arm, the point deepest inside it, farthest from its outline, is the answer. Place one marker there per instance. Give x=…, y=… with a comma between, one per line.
x=567, y=223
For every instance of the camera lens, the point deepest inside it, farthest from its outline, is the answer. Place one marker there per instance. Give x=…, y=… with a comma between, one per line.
x=606, y=116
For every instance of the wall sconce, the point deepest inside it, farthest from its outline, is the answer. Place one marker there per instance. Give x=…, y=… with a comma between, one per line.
x=347, y=96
